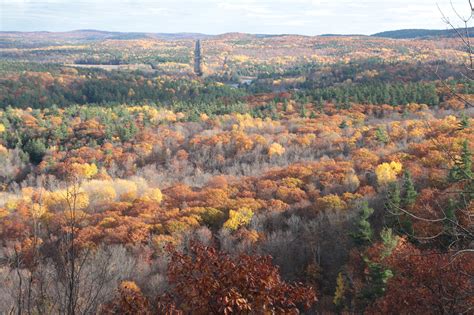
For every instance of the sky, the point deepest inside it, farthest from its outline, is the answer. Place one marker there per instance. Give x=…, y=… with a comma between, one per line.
x=307, y=17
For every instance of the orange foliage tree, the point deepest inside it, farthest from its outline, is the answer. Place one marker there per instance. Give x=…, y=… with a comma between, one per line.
x=130, y=301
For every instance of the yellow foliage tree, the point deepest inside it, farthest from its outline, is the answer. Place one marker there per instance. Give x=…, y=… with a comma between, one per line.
x=292, y=182
x=154, y=194
x=387, y=172
x=238, y=218
x=37, y=210
x=62, y=200
x=100, y=191
x=276, y=149
x=85, y=170
x=11, y=204
x=331, y=202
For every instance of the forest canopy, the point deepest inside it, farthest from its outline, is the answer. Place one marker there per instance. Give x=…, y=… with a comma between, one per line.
x=296, y=175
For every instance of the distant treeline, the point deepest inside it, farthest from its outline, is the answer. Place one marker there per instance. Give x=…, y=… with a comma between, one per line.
x=42, y=86
x=417, y=33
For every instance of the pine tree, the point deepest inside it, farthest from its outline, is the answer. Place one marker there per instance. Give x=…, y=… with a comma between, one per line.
x=405, y=113
x=343, y=125
x=462, y=169
x=303, y=111
x=389, y=241
x=466, y=157
x=394, y=199
x=320, y=104
x=378, y=274
x=36, y=150
x=464, y=123
x=381, y=135
x=377, y=281
x=409, y=192
x=393, y=204
x=364, y=232
x=451, y=218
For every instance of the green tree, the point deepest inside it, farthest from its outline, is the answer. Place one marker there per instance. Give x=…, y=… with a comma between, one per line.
x=394, y=199
x=303, y=111
x=378, y=277
x=409, y=192
x=462, y=169
x=381, y=135
x=378, y=274
x=36, y=150
x=464, y=122
x=364, y=232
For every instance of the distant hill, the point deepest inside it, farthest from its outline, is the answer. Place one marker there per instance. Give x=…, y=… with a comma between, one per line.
x=100, y=35
x=33, y=39
x=341, y=35
x=422, y=33
x=94, y=35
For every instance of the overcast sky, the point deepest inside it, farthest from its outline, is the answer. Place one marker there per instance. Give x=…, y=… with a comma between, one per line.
x=310, y=17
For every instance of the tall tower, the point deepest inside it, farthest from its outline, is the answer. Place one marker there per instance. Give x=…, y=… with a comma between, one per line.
x=198, y=59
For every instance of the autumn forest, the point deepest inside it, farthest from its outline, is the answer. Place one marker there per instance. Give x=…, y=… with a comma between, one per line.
x=235, y=174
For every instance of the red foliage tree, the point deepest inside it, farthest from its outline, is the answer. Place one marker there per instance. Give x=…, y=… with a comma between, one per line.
x=427, y=283
x=206, y=281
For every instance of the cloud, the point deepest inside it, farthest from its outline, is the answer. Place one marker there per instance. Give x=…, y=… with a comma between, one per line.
x=218, y=16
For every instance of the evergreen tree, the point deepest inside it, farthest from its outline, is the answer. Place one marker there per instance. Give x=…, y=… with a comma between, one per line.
x=451, y=218
x=303, y=111
x=36, y=150
x=320, y=104
x=409, y=192
x=377, y=281
x=364, y=233
x=462, y=169
x=389, y=241
x=394, y=199
x=393, y=203
x=405, y=113
x=381, y=135
x=464, y=123
x=406, y=227
x=378, y=274
x=275, y=115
